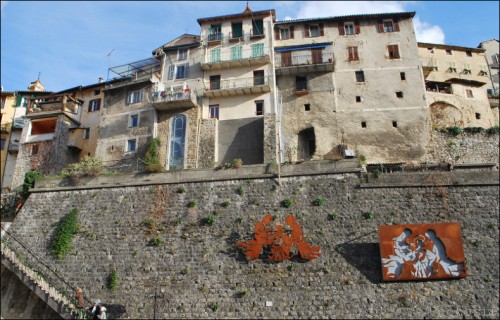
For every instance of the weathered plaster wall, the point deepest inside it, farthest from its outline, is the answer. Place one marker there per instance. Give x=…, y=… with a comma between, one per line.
x=345, y=282
x=207, y=148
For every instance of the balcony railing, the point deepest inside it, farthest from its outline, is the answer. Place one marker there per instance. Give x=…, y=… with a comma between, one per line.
x=13, y=147
x=168, y=100
x=258, y=84
x=283, y=61
x=63, y=103
x=236, y=56
x=219, y=37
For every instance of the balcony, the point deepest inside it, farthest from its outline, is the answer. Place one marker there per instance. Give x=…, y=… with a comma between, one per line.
x=233, y=87
x=428, y=66
x=18, y=124
x=232, y=37
x=171, y=100
x=13, y=147
x=288, y=63
x=53, y=105
x=235, y=57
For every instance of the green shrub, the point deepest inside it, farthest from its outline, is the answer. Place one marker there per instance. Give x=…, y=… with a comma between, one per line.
x=209, y=220
x=237, y=163
x=377, y=173
x=319, y=201
x=226, y=203
x=154, y=167
x=148, y=223
x=368, y=215
x=29, y=182
x=214, y=306
x=61, y=243
x=113, y=281
x=181, y=190
x=192, y=204
x=287, y=203
x=87, y=167
x=156, y=241
x=332, y=216
x=240, y=190
x=185, y=270
x=362, y=159
x=493, y=130
x=474, y=129
x=454, y=131
x=152, y=157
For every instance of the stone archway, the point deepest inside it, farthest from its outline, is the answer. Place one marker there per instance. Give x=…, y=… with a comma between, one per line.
x=444, y=114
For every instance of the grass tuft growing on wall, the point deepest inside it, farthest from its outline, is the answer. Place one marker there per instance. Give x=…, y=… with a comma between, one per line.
x=61, y=243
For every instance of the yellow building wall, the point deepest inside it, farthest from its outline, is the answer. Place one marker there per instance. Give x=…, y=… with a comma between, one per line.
x=8, y=104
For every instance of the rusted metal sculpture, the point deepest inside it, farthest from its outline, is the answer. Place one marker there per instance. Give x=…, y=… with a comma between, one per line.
x=421, y=251
x=284, y=241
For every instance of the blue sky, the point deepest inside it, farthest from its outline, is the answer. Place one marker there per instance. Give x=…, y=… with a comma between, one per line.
x=68, y=42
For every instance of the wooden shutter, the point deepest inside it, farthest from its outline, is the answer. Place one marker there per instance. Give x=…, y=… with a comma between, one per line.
x=98, y=104
x=317, y=56
x=355, y=53
x=341, y=29
x=286, y=58
x=395, y=25
x=306, y=31
x=90, y=106
x=291, y=32
x=277, y=33
x=321, y=29
x=349, y=54
x=380, y=26
x=396, y=51
x=356, y=27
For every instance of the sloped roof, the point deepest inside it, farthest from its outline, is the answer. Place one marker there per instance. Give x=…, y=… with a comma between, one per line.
x=186, y=40
x=98, y=84
x=448, y=46
x=410, y=14
x=244, y=14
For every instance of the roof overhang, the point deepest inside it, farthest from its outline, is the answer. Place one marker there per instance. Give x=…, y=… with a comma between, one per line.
x=410, y=14
x=303, y=47
x=251, y=14
x=450, y=47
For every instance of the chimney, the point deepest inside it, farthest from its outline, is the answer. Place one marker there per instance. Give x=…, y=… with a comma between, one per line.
x=101, y=80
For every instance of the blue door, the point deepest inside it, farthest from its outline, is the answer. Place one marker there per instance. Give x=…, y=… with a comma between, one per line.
x=177, y=138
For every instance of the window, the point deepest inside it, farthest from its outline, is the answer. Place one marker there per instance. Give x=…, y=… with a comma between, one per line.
x=131, y=145
x=182, y=71
x=307, y=107
x=466, y=68
x=395, y=124
x=314, y=31
x=214, y=32
x=3, y=102
x=177, y=141
x=448, y=52
x=349, y=28
x=469, y=93
x=97, y=92
x=86, y=133
x=258, y=78
x=430, y=50
x=236, y=30
x=363, y=124
x=388, y=27
x=359, y=99
x=496, y=58
x=399, y=94
x=215, y=55
x=360, y=76
x=478, y=116
x=133, y=121
x=236, y=52
x=2, y=144
x=402, y=75
x=468, y=53
x=94, y=105
x=259, y=107
x=215, y=82
x=135, y=97
x=393, y=51
x=182, y=54
x=214, y=111
x=171, y=69
x=352, y=54
x=257, y=50
x=483, y=70
x=34, y=149
x=257, y=27
x=284, y=33
x=452, y=67
x=300, y=83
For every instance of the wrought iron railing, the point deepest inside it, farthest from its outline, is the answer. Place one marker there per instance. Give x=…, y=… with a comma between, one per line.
x=227, y=84
x=283, y=61
x=166, y=96
x=236, y=53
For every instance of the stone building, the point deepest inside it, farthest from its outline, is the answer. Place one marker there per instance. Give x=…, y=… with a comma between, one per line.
x=350, y=85
x=491, y=53
x=6, y=120
x=456, y=79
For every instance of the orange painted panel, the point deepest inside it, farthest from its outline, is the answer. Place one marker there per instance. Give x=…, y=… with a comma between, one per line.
x=421, y=251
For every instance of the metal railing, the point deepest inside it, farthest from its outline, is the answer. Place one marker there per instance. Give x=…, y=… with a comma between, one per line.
x=237, y=83
x=50, y=281
x=235, y=54
x=304, y=59
x=166, y=96
x=230, y=36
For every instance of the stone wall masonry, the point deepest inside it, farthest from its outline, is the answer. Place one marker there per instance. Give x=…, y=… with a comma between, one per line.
x=198, y=266
x=207, y=147
x=270, y=147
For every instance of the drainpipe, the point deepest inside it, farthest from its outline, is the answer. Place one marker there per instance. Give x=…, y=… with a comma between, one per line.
x=277, y=108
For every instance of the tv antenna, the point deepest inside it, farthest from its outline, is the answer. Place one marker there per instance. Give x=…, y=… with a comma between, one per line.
x=39, y=73
x=109, y=56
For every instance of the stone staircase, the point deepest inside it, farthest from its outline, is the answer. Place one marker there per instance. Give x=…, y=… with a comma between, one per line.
x=42, y=283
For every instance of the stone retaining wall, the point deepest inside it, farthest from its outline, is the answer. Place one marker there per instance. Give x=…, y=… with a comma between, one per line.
x=198, y=273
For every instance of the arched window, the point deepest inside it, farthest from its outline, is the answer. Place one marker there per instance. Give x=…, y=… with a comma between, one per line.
x=177, y=141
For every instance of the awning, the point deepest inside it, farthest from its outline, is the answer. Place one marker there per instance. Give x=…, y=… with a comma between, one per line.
x=303, y=47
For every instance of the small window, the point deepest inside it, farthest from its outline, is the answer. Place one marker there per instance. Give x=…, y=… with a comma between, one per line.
x=352, y=54
x=135, y=97
x=284, y=33
x=395, y=124
x=171, y=69
x=359, y=99
x=34, y=149
x=134, y=121
x=478, y=116
x=469, y=93
x=402, y=75
x=97, y=92
x=258, y=78
x=259, y=107
x=448, y=52
x=214, y=111
x=360, y=76
x=307, y=107
x=388, y=26
x=468, y=53
x=94, y=105
x=349, y=28
x=86, y=133
x=399, y=94
x=131, y=145
x=300, y=83
x=2, y=144
x=430, y=50
x=182, y=71
x=314, y=31
x=182, y=54
x=393, y=51
x=363, y=124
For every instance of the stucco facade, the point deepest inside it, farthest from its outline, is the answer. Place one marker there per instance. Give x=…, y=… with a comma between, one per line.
x=7, y=119
x=491, y=53
x=456, y=81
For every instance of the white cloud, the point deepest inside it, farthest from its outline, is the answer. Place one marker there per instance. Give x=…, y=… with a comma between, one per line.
x=425, y=32
x=311, y=9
